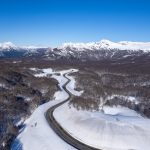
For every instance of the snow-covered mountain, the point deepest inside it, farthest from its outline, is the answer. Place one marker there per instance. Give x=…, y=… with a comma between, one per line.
x=106, y=44
x=7, y=45
x=10, y=46
x=103, y=44
x=8, y=49
x=93, y=51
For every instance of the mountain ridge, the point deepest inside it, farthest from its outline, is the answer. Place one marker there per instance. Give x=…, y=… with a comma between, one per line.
x=104, y=43
x=93, y=51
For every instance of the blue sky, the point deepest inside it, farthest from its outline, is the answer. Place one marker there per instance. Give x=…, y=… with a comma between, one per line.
x=52, y=22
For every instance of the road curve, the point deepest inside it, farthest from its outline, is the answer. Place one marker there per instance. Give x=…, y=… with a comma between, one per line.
x=59, y=129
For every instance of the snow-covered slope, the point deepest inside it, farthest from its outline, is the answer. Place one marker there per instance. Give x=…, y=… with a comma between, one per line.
x=117, y=128
x=106, y=44
x=114, y=128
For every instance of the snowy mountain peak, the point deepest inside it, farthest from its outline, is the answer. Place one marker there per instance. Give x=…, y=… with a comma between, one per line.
x=106, y=44
x=7, y=45
x=105, y=41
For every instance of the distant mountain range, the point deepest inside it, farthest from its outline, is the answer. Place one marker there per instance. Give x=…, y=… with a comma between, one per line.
x=94, y=51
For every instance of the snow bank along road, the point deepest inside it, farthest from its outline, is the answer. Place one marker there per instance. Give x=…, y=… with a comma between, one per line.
x=58, y=128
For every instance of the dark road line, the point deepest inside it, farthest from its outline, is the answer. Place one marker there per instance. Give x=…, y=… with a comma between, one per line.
x=59, y=129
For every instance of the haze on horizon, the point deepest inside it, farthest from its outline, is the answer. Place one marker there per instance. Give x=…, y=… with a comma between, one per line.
x=53, y=22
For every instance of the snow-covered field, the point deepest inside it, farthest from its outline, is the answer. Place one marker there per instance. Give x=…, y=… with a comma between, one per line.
x=37, y=134
x=117, y=128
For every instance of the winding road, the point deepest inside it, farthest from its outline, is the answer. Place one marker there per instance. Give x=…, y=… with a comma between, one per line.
x=59, y=129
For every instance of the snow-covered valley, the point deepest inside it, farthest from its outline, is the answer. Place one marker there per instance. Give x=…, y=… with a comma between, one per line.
x=114, y=128
x=37, y=134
